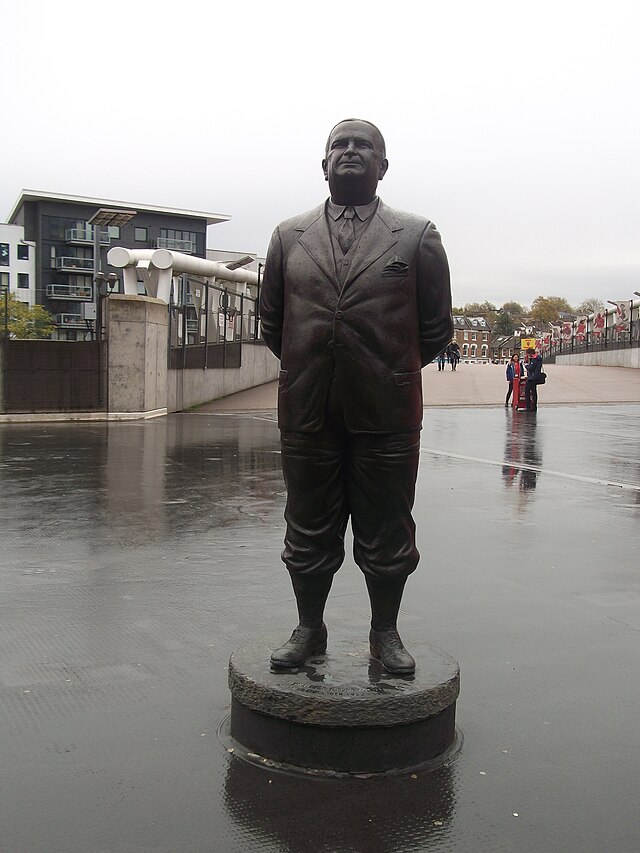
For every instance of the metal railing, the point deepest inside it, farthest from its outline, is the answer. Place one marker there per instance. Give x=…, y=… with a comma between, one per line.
x=69, y=320
x=176, y=245
x=70, y=291
x=85, y=235
x=208, y=324
x=82, y=265
x=603, y=330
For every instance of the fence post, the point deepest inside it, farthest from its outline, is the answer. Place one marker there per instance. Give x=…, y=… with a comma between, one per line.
x=183, y=301
x=225, y=303
x=206, y=325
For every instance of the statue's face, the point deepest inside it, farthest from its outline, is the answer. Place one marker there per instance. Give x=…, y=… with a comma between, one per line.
x=355, y=151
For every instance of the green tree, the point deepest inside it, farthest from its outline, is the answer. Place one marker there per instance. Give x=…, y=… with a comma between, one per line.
x=590, y=306
x=481, y=309
x=505, y=324
x=515, y=310
x=25, y=321
x=473, y=309
x=547, y=309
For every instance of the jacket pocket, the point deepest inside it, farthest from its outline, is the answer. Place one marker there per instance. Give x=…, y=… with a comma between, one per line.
x=408, y=378
x=396, y=266
x=283, y=378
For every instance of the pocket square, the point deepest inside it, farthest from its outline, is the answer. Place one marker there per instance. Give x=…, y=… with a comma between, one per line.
x=394, y=266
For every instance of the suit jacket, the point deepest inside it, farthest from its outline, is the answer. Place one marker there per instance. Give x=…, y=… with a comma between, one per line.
x=390, y=317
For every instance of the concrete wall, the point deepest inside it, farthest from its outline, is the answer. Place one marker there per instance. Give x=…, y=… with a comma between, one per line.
x=137, y=355
x=186, y=388
x=629, y=357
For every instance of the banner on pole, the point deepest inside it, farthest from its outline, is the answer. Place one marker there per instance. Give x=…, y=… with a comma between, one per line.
x=622, y=315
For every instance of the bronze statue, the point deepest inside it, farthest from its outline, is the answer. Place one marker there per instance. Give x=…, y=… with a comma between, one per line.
x=355, y=301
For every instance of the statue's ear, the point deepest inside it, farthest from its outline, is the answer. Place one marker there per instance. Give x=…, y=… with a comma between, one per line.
x=382, y=171
x=324, y=169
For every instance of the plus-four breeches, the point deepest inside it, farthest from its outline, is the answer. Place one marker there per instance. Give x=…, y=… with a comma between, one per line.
x=335, y=475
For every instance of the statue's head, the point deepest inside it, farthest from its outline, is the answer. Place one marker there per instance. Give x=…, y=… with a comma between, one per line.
x=354, y=161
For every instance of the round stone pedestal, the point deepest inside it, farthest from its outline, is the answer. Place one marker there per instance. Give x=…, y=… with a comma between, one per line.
x=342, y=712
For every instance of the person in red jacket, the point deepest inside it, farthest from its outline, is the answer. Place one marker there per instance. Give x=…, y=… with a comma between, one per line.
x=513, y=370
x=355, y=301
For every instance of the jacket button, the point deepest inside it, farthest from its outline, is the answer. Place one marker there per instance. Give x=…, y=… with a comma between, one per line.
x=339, y=315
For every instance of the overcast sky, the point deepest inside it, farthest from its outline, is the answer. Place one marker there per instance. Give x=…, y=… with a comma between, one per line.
x=515, y=127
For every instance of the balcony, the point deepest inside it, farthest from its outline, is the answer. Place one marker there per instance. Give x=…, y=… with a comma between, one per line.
x=81, y=265
x=192, y=326
x=176, y=245
x=70, y=321
x=84, y=236
x=77, y=292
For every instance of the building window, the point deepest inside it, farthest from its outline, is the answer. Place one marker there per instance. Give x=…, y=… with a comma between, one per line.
x=4, y=255
x=465, y=350
x=473, y=350
x=485, y=336
x=4, y=281
x=23, y=252
x=23, y=279
x=473, y=336
x=466, y=336
x=114, y=232
x=176, y=234
x=140, y=235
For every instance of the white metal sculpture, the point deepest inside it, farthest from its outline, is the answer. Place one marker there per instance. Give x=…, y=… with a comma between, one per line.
x=157, y=268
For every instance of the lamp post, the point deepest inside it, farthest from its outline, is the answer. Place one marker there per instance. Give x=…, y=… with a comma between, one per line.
x=103, y=218
x=105, y=285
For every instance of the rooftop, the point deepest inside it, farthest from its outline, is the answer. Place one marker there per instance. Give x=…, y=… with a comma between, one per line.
x=43, y=195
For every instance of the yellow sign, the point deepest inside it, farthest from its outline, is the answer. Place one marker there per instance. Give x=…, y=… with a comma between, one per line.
x=528, y=343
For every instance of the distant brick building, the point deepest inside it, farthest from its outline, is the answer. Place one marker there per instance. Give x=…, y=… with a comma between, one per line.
x=473, y=335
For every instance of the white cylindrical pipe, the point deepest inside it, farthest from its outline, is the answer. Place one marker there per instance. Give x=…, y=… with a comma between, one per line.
x=166, y=259
x=121, y=257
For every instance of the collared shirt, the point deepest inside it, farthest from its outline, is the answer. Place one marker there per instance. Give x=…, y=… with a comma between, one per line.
x=364, y=212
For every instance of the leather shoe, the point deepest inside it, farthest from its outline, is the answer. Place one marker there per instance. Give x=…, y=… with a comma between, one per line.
x=301, y=645
x=387, y=647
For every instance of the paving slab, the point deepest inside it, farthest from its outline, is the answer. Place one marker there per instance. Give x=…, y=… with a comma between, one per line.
x=482, y=384
x=136, y=557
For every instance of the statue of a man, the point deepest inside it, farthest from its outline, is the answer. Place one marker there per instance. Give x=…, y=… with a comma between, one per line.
x=355, y=301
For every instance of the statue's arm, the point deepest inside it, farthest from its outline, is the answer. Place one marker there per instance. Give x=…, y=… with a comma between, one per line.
x=272, y=296
x=434, y=295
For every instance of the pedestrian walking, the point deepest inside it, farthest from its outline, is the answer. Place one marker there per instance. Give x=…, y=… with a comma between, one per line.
x=453, y=352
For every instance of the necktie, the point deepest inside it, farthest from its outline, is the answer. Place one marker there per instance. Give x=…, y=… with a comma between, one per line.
x=346, y=232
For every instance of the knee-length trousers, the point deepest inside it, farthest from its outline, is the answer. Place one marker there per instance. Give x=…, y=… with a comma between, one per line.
x=334, y=475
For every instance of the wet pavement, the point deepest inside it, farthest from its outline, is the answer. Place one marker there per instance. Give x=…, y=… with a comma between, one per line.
x=135, y=557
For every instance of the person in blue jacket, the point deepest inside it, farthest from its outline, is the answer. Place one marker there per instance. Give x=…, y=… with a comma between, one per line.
x=534, y=369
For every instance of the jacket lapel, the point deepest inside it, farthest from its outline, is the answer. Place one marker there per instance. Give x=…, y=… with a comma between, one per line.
x=377, y=239
x=316, y=241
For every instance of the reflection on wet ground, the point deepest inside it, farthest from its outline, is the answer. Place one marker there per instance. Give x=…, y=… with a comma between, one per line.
x=137, y=556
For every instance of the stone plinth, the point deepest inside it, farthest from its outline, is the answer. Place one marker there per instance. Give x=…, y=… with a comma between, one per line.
x=137, y=329
x=342, y=712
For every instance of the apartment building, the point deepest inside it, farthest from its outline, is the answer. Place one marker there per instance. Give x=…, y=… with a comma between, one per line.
x=17, y=264
x=60, y=231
